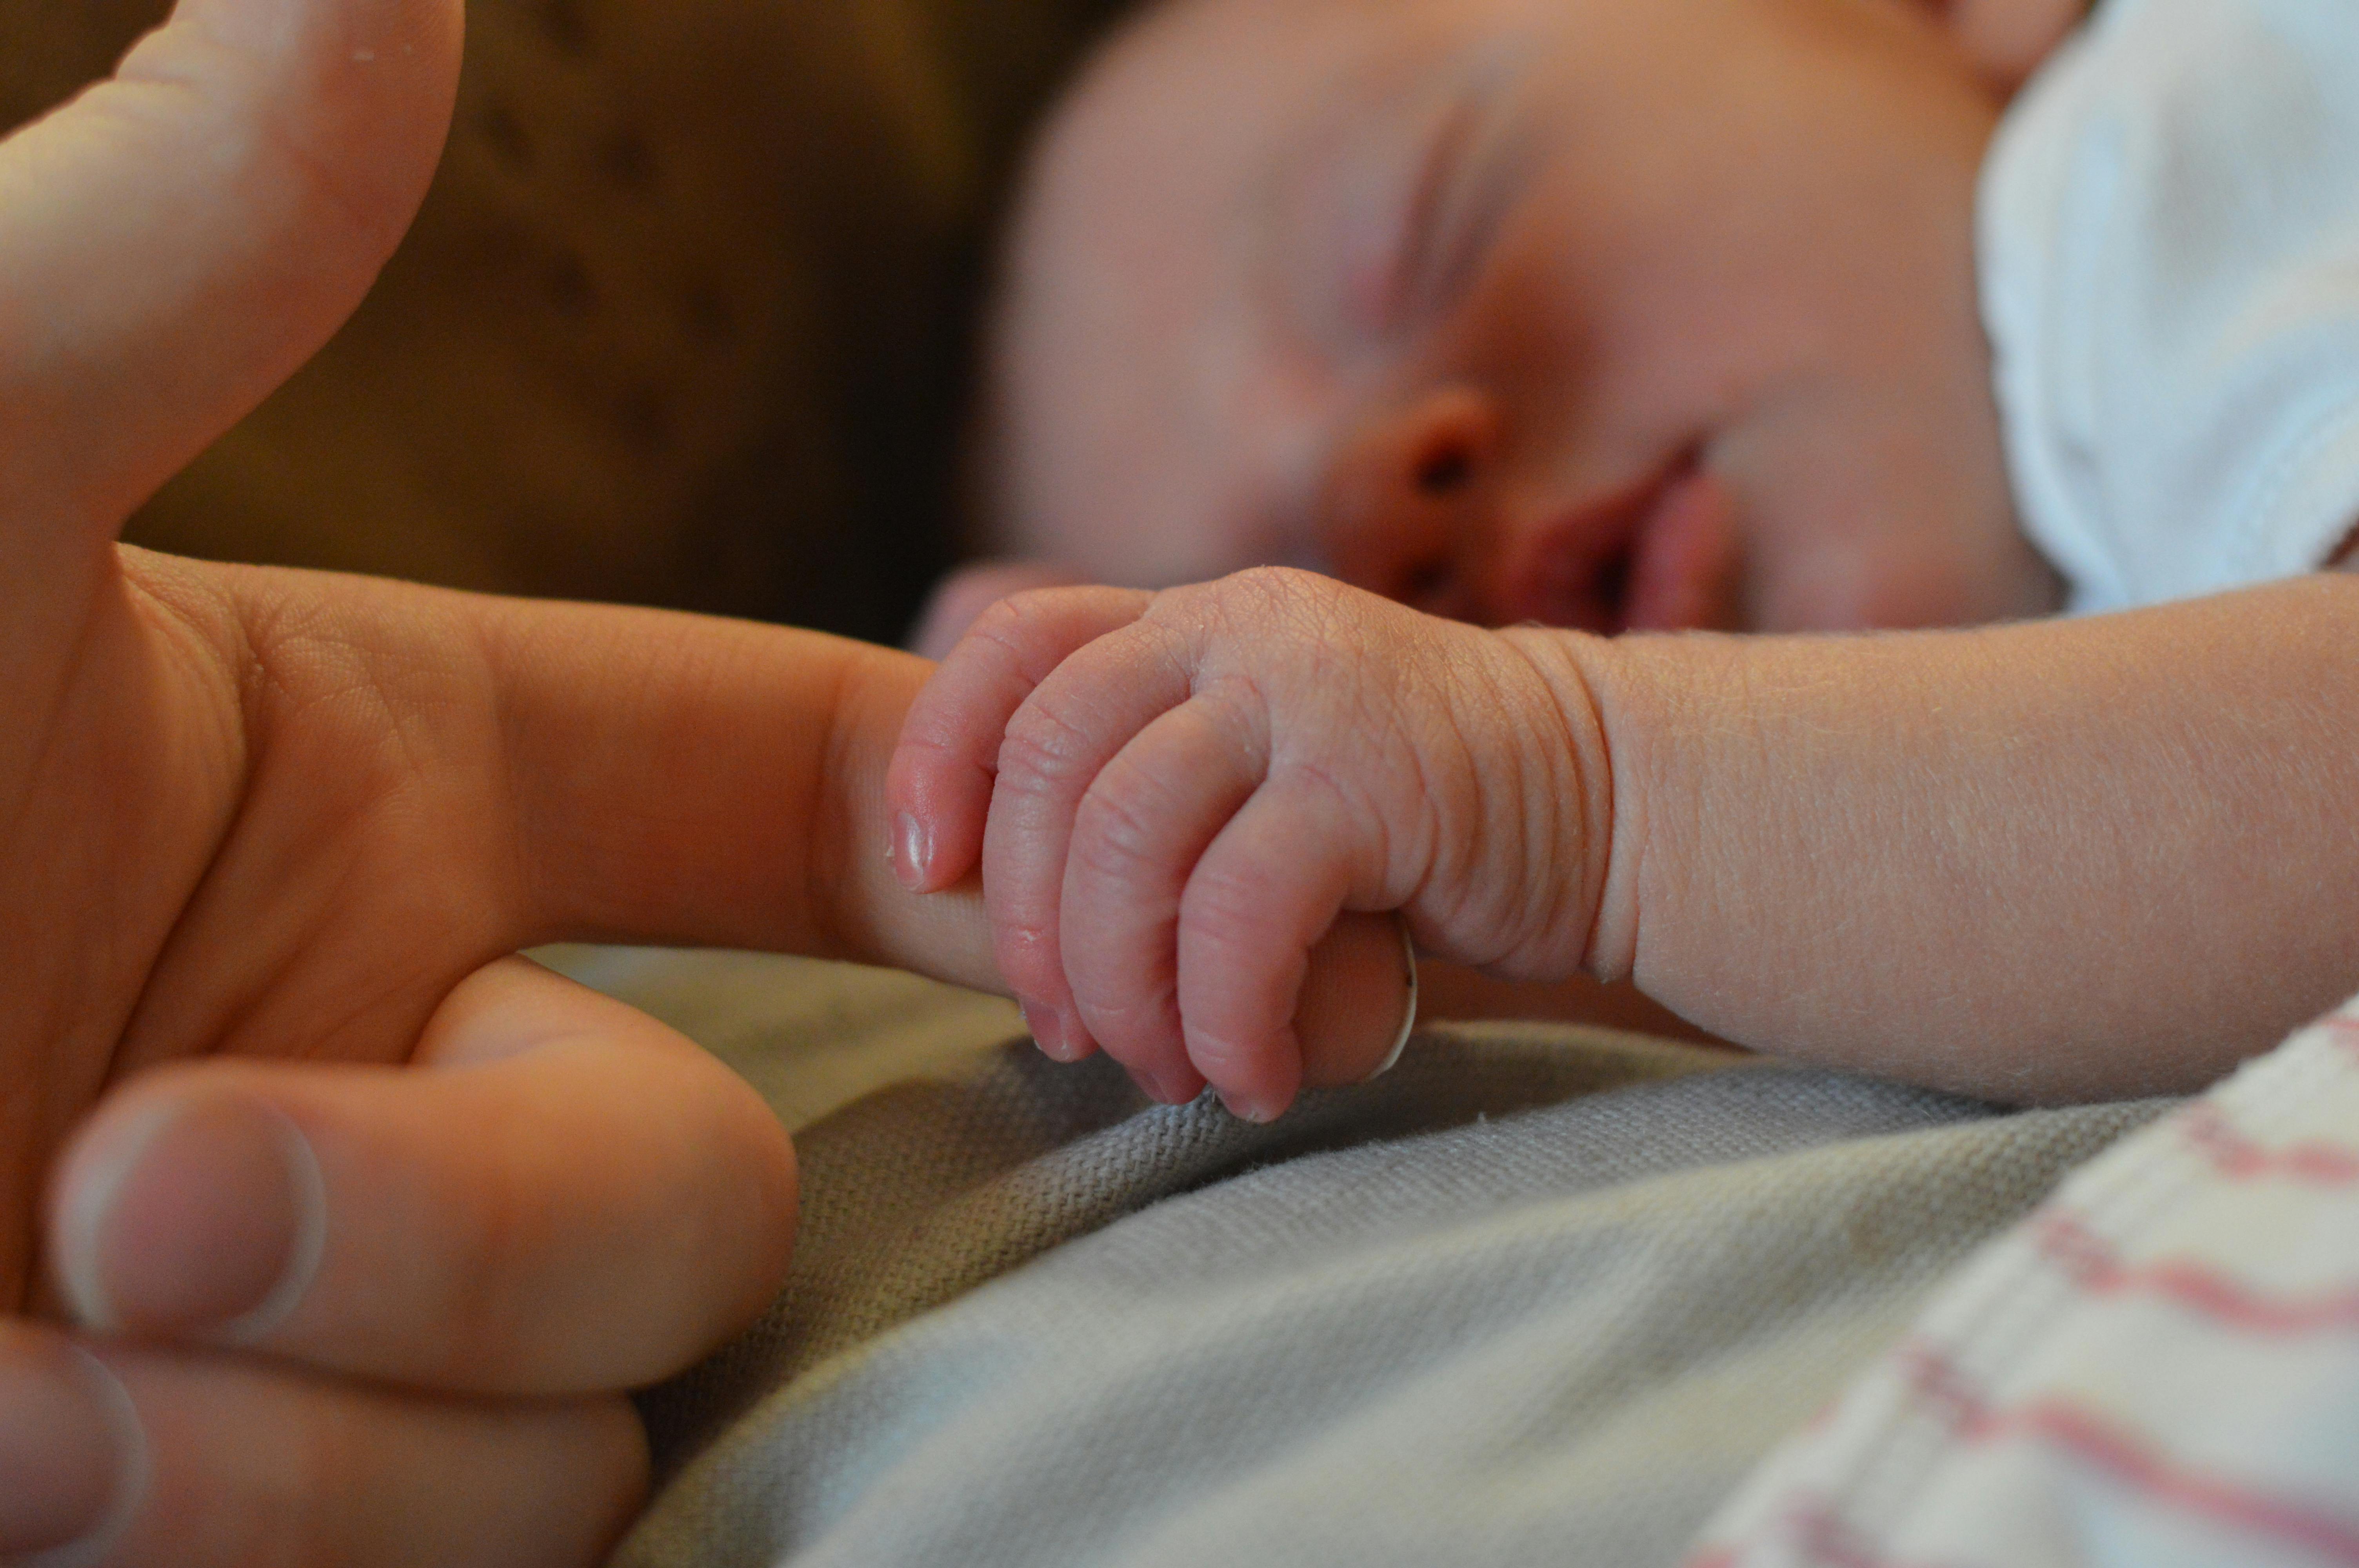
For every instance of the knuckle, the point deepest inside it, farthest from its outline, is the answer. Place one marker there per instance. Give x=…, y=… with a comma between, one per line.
x=1041, y=750
x=1251, y=593
x=1027, y=955
x=1023, y=612
x=1281, y=582
x=1018, y=632
x=1221, y=1057
x=1297, y=593
x=474, y=1290
x=1034, y=628
x=1227, y=912
x=1118, y=830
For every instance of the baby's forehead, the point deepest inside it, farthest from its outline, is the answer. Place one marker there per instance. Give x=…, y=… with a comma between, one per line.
x=1266, y=62
x=1206, y=117
x=1147, y=305
x=1178, y=133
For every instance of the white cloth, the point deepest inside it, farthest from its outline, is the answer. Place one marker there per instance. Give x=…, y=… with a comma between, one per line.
x=2159, y=1369
x=2170, y=260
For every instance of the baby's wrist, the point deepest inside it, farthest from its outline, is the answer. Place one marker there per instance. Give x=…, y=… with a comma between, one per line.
x=1565, y=714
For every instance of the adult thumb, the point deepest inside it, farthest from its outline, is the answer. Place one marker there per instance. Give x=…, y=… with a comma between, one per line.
x=175, y=241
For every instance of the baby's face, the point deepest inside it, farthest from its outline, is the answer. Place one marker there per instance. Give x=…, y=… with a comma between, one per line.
x=1602, y=313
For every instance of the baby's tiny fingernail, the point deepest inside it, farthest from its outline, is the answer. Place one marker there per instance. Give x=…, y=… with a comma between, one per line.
x=911, y=851
x=1171, y=1089
x=207, y=1219
x=1251, y=1108
x=70, y=1448
x=1050, y=1030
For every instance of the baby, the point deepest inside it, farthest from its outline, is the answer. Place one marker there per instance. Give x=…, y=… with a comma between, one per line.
x=1576, y=316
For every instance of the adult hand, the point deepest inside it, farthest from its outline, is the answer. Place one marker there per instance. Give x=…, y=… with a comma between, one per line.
x=265, y=835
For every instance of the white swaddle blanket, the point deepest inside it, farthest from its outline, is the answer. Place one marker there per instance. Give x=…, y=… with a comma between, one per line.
x=2159, y=1368
x=2168, y=255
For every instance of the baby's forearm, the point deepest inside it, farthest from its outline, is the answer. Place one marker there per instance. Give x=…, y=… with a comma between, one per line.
x=2065, y=859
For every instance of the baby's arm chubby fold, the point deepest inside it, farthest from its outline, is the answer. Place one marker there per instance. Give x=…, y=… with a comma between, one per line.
x=2050, y=861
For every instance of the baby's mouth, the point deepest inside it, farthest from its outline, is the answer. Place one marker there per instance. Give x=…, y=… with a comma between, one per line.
x=1657, y=555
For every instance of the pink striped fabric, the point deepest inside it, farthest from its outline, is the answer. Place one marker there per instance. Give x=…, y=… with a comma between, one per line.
x=2159, y=1368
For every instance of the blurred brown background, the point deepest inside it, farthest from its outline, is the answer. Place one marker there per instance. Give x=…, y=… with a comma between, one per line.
x=685, y=320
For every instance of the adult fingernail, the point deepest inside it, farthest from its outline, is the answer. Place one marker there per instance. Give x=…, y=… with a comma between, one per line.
x=1056, y=1034
x=912, y=852
x=70, y=1449
x=205, y=1217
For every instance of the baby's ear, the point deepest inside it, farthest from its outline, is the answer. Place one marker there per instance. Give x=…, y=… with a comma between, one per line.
x=2007, y=39
x=965, y=593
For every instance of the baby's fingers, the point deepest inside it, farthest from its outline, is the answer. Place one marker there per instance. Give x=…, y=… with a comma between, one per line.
x=1138, y=836
x=1079, y=719
x=1145, y=819
x=937, y=790
x=1260, y=919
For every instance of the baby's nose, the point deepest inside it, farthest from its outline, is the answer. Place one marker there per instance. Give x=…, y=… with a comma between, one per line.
x=1407, y=504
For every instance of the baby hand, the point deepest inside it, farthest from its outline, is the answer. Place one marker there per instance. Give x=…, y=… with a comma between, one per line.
x=1173, y=796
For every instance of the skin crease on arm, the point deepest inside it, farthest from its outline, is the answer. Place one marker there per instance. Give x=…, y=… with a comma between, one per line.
x=2059, y=860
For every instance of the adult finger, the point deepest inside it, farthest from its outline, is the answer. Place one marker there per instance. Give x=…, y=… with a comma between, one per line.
x=128, y=1458
x=179, y=239
x=585, y=773
x=939, y=787
x=1358, y=1000
x=564, y=1196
